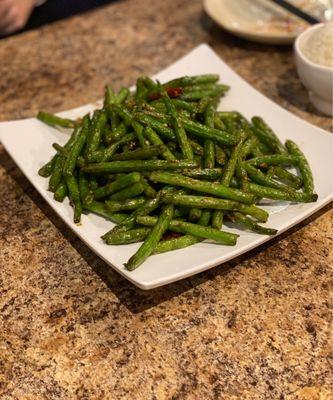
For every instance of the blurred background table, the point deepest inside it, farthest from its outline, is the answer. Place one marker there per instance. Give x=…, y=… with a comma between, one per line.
x=71, y=328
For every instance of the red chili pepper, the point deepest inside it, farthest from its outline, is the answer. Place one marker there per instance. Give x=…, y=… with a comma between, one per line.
x=172, y=92
x=175, y=92
x=171, y=235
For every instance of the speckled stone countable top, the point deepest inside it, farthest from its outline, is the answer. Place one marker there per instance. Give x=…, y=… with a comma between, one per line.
x=72, y=328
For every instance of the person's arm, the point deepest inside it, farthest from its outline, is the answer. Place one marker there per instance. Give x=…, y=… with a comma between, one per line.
x=14, y=14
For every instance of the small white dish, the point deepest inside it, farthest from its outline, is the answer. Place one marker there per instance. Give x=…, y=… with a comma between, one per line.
x=29, y=142
x=318, y=79
x=256, y=20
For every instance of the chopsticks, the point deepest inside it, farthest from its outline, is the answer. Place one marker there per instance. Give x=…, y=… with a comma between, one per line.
x=296, y=11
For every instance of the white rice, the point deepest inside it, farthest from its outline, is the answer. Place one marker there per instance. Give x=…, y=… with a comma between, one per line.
x=319, y=46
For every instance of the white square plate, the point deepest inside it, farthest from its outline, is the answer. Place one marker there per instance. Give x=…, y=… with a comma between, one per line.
x=29, y=143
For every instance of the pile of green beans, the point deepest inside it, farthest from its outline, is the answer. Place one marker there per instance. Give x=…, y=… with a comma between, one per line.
x=169, y=169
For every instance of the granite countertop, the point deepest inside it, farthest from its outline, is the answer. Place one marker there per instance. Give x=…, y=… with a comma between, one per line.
x=70, y=327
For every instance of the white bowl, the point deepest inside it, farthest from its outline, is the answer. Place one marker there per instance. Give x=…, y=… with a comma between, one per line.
x=318, y=79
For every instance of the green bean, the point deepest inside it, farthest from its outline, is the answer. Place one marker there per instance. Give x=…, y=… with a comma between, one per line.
x=242, y=121
x=126, y=237
x=115, y=99
x=209, y=146
x=129, y=120
x=141, y=91
x=161, y=114
x=205, y=218
x=275, y=194
x=200, y=94
x=61, y=192
x=209, y=156
x=203, y=87
x=275, y=159
x=100, y=209
x=202, y=104
x=59, y=148
x=250, y=224
x=117, y=133
x=230, y=123
x=229, y=170
x=218, y=123
x=109, y=96
x=214, y=203
x=154, y=139
x=94, y=138
x=178, y=128
x=120, y=183
x=149, y=191
x=176, y=244
x=247, y=147
x=122, y=95
x=56, y=175
x=110, y=99
x=194, y=230
x=194, y=214
x=228, y=114
x=255, y=150
x=148, y=82
x=76, y=149
x=154, y=236
x=76, y=132
x=192, y=80
x=74, y=195
x=290, y=179
x=125, y=205
x=197, y=148
x=46, y=170
x=185, y=114
x=265, y=134
x=179, y=104
x=220, y=155
x=138, y=129
x=108, y=153
x=86, y=194
x=138, y=154
x=207, y=174
x=262, y=149
x=228, y=173
x=242, y=175
x=262, y=179
x=54, y=120
x=128, y=192
x=137, y=165
x=183, y=241
x=215, y=189
x=157, y=115
x=205, y=132
x=158, y=126
x=129, y=222
x=303, y=166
